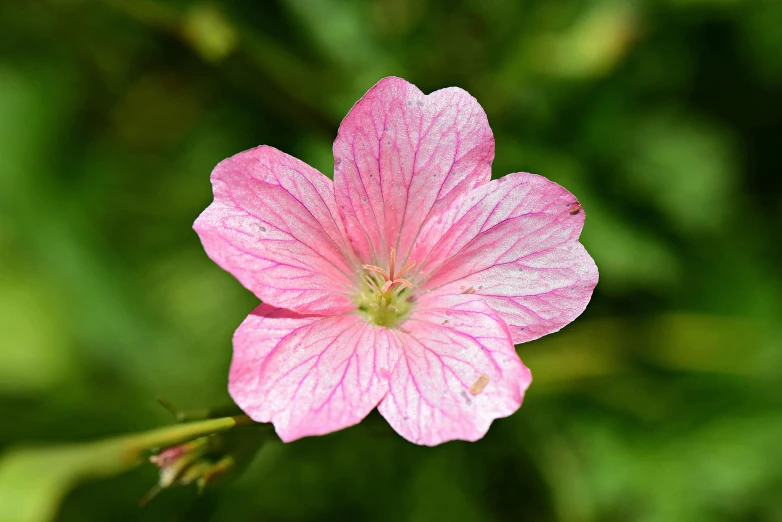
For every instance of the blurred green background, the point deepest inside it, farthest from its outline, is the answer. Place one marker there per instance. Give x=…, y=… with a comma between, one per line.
x=661, y=403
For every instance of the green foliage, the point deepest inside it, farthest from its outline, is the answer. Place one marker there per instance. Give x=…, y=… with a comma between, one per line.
x=661, y=403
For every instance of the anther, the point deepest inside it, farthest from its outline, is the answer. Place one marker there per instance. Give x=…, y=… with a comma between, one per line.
x=480, y=384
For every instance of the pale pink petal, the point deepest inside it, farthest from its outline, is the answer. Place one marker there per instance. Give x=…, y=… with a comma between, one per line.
x=514, y=242
x=274, y=226
x=401, y=156
x=309, y=375
x=457, y=372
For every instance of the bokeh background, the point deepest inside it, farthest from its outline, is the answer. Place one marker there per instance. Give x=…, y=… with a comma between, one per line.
x=661, y=403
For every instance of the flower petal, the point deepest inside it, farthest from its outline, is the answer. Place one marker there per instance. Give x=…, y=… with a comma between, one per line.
x=309, y=375
x=274, y=226
x=457, y=372
x=513, y=241
x=400, y=156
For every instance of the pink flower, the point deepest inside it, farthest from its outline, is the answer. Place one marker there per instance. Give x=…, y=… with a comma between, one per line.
x=402, y=285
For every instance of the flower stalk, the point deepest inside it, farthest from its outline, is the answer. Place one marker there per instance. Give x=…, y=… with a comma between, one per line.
x=179, y=433
x=28, y=496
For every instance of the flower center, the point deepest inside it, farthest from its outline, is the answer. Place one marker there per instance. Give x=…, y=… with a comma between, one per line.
x=386, y=297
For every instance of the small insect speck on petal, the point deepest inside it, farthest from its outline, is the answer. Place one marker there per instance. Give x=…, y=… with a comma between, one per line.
x=445, y=322
x=338, y=161
x=576, y=209
x=470, y=290
x=480, y=384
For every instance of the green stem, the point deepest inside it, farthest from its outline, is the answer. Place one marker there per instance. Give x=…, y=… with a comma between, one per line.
x=33, y=480
x=178, y=433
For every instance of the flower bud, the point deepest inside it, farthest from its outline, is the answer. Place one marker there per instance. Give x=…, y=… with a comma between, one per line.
x=205, y=459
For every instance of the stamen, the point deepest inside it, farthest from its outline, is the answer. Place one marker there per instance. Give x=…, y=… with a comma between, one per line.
x=377, y=269
x=390, y=284
x=391, y=277
x=372, y=283
x=406, y=268
x=404, y=282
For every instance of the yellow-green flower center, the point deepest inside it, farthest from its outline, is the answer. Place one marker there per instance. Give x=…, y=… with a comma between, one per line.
x=385, y=298
x=384, y=308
